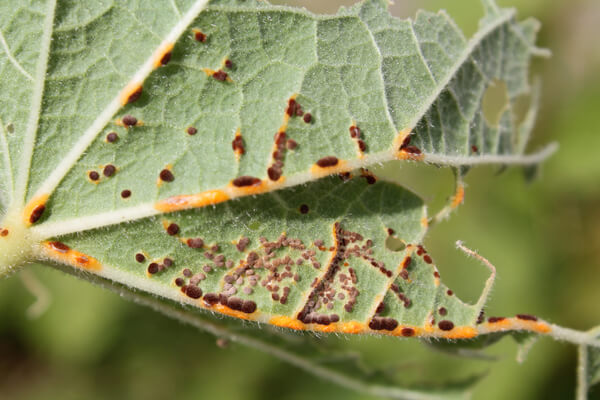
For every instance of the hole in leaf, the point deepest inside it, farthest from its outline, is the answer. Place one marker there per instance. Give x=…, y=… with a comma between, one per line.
x=495, y=100
x=393, y=243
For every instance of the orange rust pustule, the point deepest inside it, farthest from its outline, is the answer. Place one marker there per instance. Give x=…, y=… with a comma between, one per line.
x=131, y=93
x=516, y=324
x=163, y=54
x=184, y=202
x=459, y=196
x=34, y=209
x=62, y=253
x=287, y=322
x=230, y=312
x=4, y=232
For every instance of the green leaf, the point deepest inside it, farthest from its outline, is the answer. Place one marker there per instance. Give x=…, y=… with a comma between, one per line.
x=135, y=136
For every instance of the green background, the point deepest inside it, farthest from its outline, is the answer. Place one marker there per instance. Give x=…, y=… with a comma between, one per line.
x=543, y=237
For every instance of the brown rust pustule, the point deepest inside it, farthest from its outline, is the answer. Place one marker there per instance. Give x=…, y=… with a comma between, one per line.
x=329, y=161
x=37, y=213
x=244, y=181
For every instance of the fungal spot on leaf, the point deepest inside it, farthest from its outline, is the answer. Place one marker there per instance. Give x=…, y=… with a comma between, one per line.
x=244, y=181
x=427, y=259
x=442, y=311
x=304, y=209
x=37, y=213
x=219, y=75
x=526, y=317
x=126, y=194
x=242, y=243
x=446, y=325
x=238, y=145
x=173, y=229
x=291, y=144
x=4, y=232
x=139, y=257
x=407, y=332
x=166, y=175
x=59, y=247
x=448, y=292
x=294, y=108
x=131, y=93
x=228, y=64
x=94, y=176
x=165, y=58
x=307, y=118
x=163, y=55
x=191, y=130
x=195, y=243
x=474, y=149
x=199, y=36
x=112, y=137
x=381, y=323
x=327, y=162
x=129, y=120
x=192, y=291
x=109, y=170
x=153, y=268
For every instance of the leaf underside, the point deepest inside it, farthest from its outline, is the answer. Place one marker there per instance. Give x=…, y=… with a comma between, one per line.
x=129, y=134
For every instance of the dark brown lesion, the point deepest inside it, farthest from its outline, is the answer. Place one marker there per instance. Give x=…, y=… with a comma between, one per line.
x=245, y=181
x=35, y=216
x=275, y=170
x=355, y=134
x=327, y=162
x=340, y=281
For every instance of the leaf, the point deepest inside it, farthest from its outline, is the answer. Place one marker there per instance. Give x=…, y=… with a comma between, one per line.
x=125, y=122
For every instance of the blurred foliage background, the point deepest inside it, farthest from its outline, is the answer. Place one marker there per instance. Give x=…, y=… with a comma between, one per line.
x=543, y=237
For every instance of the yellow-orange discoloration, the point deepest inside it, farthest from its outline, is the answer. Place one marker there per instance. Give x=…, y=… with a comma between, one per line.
x=353, y=327
x=61, y=253
x=131, y=93
x=232, y=313
x=517, y=324
x=319, y=172
x=403, y=155
x=400, y=138
x=262, y=187
x=425, y=222
x=161, y=52
x=333, y=327
x=459, y=196
x=184, y=202
x=460, y=332
x=32, y=206
x=287, y=322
